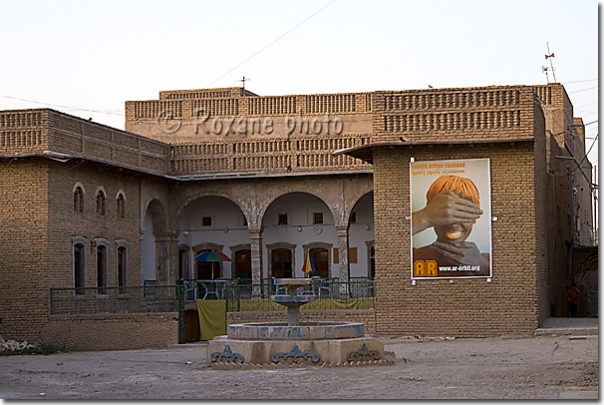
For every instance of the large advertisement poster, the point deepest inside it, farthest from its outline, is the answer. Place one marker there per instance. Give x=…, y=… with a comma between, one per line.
x=451, y=219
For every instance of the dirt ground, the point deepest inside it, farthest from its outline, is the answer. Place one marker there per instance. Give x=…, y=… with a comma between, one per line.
x=533, y=368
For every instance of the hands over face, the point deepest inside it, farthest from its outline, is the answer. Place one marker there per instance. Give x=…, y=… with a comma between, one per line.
x=445, y=208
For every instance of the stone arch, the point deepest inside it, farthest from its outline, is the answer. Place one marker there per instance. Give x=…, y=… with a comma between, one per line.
x=194, y=197
x=353, y=203
x=80, y=185
x=155, y=249
x=332, y=206
x=158, y=215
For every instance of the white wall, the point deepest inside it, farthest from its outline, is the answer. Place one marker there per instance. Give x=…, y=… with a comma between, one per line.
x=148, y=265
x=299, y=207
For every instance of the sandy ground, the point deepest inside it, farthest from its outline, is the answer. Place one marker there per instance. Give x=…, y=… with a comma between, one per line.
x=533, y=368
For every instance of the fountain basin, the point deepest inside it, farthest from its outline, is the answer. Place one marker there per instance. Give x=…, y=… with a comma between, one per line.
x=221, y=349
x=304, y=331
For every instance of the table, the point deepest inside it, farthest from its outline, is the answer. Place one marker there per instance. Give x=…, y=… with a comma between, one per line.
x=213, y=288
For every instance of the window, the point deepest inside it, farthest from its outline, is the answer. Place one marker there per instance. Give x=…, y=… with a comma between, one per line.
x=79, y=268
x=206, y=221
x=353, y=256
x=122, y=267
x=317, y=218
x=100, y=202
x=101, y=269
x=121, y=206
x=78, y=199
x=282, y=219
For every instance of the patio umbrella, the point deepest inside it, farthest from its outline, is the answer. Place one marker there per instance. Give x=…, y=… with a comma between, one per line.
x=212, y=256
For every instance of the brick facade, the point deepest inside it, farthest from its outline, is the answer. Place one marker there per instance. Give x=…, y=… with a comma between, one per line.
x=163, y=163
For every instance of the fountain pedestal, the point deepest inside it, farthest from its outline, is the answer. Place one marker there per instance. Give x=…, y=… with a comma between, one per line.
x=292, y=300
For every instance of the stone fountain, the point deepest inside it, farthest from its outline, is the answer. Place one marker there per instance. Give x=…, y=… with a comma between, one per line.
x=295, y=342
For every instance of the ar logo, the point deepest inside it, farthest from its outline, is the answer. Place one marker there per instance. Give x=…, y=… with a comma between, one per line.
x=425, y=268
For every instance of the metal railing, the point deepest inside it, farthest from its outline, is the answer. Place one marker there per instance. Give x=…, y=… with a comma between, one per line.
x=116, y=300
x=358, y=293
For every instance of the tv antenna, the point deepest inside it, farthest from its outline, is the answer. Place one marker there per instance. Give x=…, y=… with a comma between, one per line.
x=243, y=80
x=551, y=63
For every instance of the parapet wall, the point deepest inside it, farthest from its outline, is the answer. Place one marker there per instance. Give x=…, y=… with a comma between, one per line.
x=220, y=131
x=53, y=134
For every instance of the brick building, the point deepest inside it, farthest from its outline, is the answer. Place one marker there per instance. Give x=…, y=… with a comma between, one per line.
x=270, y=180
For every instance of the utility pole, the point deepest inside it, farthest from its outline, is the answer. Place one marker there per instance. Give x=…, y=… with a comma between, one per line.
x=551, y=68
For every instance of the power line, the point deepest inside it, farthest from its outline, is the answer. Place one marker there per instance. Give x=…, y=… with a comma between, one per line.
x=324, y=7
x=61, y=106
x=581, y=81
x=585, y=156
x=577, y=91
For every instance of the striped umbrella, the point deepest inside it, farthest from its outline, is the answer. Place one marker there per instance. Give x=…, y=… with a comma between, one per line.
x=212, y=256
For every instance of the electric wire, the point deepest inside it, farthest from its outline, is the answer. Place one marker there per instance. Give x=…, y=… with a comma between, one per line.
x=61, y=106
x=317, y=12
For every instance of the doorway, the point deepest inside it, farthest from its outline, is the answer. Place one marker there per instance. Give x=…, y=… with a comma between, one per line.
x=320, y=259
x=281, y=260
x=243, y=265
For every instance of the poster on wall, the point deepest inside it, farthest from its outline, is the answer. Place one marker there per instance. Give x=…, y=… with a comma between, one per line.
x=450, y=219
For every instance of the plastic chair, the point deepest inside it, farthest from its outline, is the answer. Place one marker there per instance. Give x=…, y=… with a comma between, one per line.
x=320, y=286
x=279, y=288
x=190, y=289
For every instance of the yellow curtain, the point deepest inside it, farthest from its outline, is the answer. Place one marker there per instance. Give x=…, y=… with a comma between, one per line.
x=212, y=318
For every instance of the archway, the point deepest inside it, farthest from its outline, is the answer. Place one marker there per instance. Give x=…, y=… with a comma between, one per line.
x=291, y=220
x=211, y=223
x=360, y=240
x=154, y=252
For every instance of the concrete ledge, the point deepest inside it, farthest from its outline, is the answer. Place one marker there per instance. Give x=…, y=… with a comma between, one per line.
x=566, y=331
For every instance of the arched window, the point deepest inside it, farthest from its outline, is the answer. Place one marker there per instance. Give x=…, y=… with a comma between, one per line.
x=121, y=264
x=100, y=202
x=79, y=244
x=122, y=267
x=101, y=265
x=121, y=206
x=78, y=199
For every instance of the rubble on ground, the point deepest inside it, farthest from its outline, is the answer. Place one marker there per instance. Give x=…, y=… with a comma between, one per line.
x=13, y=345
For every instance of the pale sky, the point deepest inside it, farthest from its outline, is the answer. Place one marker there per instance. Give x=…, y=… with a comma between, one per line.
x=87, y=58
